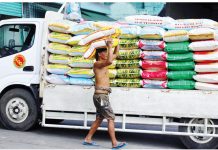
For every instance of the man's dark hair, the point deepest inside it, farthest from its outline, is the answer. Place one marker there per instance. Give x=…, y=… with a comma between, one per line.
x=99, y=50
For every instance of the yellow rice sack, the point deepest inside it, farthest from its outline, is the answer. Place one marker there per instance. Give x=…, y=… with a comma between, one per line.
x=83, y=28
x=152, y=33
x=80, y=62
x=78, y=50
x=57, y=48
x=75, y=40
x=80, y=73
x=113, y=65
x=58, y=37
x=57, y=69
x=62, y=26
x=99, y=44
x=176, y=36
x=201, y=34
x=59, y=59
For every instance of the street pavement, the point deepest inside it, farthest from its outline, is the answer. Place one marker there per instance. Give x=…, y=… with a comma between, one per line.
x=56, y=138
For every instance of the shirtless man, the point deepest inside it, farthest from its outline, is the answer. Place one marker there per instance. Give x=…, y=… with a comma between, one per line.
x=104, y=58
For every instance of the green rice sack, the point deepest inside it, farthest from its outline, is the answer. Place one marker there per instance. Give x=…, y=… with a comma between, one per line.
x=181, y=66
x=181, y=75
x=128, y=43
x=177, y=48
x=129, y=54
x=134, y=83
x=180, y=57
x=181, y=84
x=125, y=73
x=124, y=64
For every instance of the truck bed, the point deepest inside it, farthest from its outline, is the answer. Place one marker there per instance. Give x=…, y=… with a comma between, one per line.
x=135, y=101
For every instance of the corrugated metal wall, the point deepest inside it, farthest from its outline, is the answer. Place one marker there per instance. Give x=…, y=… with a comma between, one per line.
x=11, y=9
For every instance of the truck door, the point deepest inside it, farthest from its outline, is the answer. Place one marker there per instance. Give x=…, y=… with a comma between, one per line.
x=17, y=53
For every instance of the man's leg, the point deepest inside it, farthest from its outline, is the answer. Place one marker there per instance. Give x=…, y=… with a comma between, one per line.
x=93, y=129
x=111, y=132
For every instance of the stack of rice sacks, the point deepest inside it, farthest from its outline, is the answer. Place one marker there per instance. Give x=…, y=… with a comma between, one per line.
x=180, y=62
x=200, y=33
x=153, y=58
x=206, y=57
x=66, y=64
x=126, y=71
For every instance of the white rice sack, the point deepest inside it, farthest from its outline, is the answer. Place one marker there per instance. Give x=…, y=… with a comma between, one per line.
x=56, y=48
x=99, y=44
x=98, y=35
x=80, y=73
x=78, y=50
x=206, y=86
x=207, y=78
x=176, y=36
x=57, y=79
x=188, y=24
x=75, y=40
x=106, y=24
x=204, y=45
x=62, y=26
x=216, y=35
x=83, y=28
x=209, y=67
x=57, y=69
x=59, y=59
x=208, y=56
x=147, y=20
x=152, y=33
x=58, y=37
x=81, y=81
x=80, y=62
x=129, y=31
x=201, y=34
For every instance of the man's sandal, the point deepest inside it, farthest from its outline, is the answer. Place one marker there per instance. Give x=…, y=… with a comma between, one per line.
x=119, y=146
x=90, y=143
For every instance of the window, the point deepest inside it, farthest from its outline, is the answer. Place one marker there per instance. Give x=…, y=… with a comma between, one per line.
x=16, y=38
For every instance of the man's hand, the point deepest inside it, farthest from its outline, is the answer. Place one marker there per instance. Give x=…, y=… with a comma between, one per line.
x=109, y=42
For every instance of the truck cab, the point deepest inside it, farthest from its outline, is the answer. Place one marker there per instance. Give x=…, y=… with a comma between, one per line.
x=20, y=57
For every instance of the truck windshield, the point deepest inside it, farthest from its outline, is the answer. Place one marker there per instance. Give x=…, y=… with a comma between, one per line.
x=15, y=38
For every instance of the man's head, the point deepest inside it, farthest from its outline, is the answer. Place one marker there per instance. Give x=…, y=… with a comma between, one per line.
x=101, y=54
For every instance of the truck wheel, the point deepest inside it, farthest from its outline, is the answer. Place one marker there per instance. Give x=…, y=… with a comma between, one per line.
x=200, y=142
x=18, y=110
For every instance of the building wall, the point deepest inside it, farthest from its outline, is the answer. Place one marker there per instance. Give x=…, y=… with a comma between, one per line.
x=10, y=10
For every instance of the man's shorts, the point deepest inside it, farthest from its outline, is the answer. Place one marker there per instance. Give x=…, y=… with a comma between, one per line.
x=103, y=106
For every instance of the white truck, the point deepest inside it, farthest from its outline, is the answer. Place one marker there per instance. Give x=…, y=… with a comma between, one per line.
x=27, y=99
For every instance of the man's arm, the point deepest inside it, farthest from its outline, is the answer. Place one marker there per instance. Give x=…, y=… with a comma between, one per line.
x=109, y=61
x=116, y=51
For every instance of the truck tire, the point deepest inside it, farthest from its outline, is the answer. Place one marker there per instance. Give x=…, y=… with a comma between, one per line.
x=199, y=142
x=18, y=110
